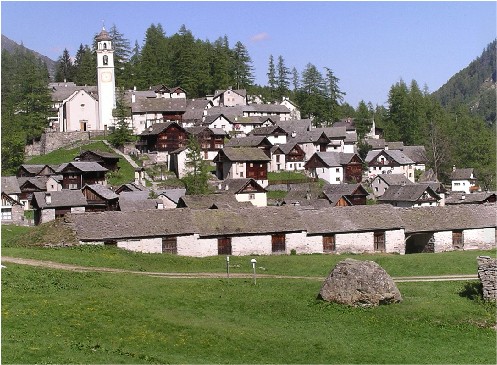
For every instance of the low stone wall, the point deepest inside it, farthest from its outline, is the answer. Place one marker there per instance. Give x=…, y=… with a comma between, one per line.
x=51, y=141
x=487, y=272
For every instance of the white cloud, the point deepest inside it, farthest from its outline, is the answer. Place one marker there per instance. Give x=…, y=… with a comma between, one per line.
x=259, y=37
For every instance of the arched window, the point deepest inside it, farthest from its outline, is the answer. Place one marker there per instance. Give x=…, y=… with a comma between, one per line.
x=106, y=60
x=105, y=45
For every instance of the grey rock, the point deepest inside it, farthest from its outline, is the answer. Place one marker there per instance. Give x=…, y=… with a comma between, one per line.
x=359, y=284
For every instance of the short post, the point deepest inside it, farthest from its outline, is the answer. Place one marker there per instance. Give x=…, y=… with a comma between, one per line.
x=228, y=266
x=254, y=261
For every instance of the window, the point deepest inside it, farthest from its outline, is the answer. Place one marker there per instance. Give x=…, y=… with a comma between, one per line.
x=241, y=173
x=72, y=186
x=379, y=241
x=337, y=169
x=277, y=158
x=106, y=58
x=6, y=213
x=376, y=189
x=170, y=245
x=251, y=196
x=457, y=240
x=329, y=243
x=224, y=246
x=278, y=243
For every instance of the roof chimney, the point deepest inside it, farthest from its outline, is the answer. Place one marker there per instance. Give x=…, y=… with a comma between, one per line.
x=463, y=197
x=48, y=198
x=294, y=134
x=160, y=205
x=453, y=167
x=133, y=97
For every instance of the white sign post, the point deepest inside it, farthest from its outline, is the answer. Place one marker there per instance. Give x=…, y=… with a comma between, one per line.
x=228, y=266
x=254, y=261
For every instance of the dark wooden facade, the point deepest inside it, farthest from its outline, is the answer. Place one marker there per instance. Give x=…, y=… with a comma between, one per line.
x=256, y=170
x=353, y=170
x=107, y=160
x=168, y=139
x=73, y=178
x=98, y=203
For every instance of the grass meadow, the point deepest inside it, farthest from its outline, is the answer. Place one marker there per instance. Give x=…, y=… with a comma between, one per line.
x=55, y=316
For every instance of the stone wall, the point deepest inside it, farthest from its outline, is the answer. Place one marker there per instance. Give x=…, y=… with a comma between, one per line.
x=487, y=272
x=51, y=141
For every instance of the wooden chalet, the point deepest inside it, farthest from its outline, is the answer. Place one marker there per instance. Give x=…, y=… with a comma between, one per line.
x=211, y=140
x=261, y=142
x=244, y=190
x=288, y=156
x=345, y=194
x=77, y=174
x=106, y=159
x=29, y=186
x=163, y=137
x=99, y=198
x=242, y=162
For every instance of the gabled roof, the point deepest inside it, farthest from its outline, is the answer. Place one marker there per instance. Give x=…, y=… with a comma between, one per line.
x=407, y=193
x=345, y=189
x=83, y=166
x=333, y=132
x=394, y=179
x=237, y=186
x=102, y=191
x=266, y=131
x=249, y=141
x=268, y=108
x=39, y=182
x=286, y=148
x=348, y=123
x=136, y=201
x=242, y=154
x=396, y=155
x=102, y=154
x=211, y=118
x=60, y=199
x=172, y=194
x=473, y=198
x=462, y=174
x=144, y=105
x=61, y=91
x=416, y=153
x=312, y=136
x=241, y=92
x=10, y=185
x=130, y=187
x=195, y=109
x=158, y=128
x=333, y=159
x=297, y=125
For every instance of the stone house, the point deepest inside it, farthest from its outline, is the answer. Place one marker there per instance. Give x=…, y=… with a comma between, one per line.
x=243, y=162
x=12, y=209
x=260, y=142
x=279, y=230
x=382, y=182
x=230, y=97
x=389, y=162
x=274, y=134
x=30, y=185
x=310, y=141
x=219, y=121
x=463, y=180
x=244, y=190
x=287, y=157
x=410, y=196
x=335, y=167
x=294, y=110
x=55, y=204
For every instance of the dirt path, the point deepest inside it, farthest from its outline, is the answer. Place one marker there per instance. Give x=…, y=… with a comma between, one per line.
x=204, y=275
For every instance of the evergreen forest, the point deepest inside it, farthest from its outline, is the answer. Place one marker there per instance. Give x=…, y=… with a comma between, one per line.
x=456, y=124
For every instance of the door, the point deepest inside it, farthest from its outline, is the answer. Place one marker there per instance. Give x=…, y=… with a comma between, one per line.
x=224, y=246
x=170, y=245
x=329, y=243
x=379, y=241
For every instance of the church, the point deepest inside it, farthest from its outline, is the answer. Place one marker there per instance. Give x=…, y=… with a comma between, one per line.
x=88, y=108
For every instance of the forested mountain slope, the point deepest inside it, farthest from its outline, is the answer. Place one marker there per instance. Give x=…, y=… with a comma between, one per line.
x=473, y=86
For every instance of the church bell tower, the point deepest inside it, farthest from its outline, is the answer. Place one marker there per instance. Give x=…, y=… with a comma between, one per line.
x=106, y=80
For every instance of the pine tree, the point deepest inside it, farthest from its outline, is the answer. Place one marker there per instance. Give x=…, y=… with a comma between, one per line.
x=271, y=76
x=122, y=113
x=334, y=95
x=363, y=120
x=283, y=81
x=242, y=66
x=122, y=53
x=84, y=66
x=154, y=63
x=197, y=177
x=64, y=71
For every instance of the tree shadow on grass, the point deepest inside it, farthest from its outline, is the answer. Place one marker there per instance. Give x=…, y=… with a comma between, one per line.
x=472, y=290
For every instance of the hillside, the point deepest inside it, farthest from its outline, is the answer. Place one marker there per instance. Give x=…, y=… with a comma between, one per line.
x=10, y=46
x=473, y=86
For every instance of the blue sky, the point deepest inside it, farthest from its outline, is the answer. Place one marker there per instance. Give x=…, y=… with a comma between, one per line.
x=369, y=45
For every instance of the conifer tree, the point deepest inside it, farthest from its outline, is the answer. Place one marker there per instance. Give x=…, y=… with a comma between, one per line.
x=197, y=176
x=283, y=81
x=64, y=71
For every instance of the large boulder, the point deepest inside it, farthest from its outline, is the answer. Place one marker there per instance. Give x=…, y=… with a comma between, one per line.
x=359, y=284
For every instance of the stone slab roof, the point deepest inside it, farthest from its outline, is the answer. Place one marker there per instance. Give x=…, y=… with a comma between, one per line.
x=102, y=191
x=60, y=199
x=397, y=155
x=40, y=182
x=241, y=154
x=394, y=179
x=83, y=166
x=10, y=185
x=210, y=201
x=249, y=141
x=152, y=105
x=133, y=201
x=473, y=198
x=335, y=159
x=462, y=174
x=406, y=193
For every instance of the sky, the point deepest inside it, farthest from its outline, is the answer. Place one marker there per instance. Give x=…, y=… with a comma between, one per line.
x=369, y=45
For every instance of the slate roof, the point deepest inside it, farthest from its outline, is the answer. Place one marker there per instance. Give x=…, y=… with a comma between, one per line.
x=84, y=166
x=266, y=131
x=132, y=187
x=10, y=185
x=462, y=174
x=406, y=193
x=172, y=194
x=344, y=189
x=195, y=109
x=60, y=199
x=473, y=198
x=297, y=125
x=136, y=201
x=40, y=182
x=333, y=132
x=218, y=201
x=311, y=136
x=397, y=155
x=157, y=128
x=395, y=145
x=416, y=153
x=102, y=191
x=249, y=141
x=449, y=217
x=241, y=92
x=60, y=92
x=348, y=123
x=99, y=154
x=334, y=159
x=351, y=219
x=236, y=185
x=285, y=148
x=33, y=169
x=240, y=154
x=376, y=144
x=211, y=118
x=428, y=176
x=152, y=105
x=351, y=137
x=266, y=108
x=394, y=179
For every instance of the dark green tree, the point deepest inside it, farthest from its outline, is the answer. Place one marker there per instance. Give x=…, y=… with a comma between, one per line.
x=363, y=120
x=154, y=63
x=283, y=80
x=122, y=113
x=197, y=177
x=242, y=66
x=84, y=66
x=122, y=53
x=334, y=96
x=271, y=77
x=65, y=69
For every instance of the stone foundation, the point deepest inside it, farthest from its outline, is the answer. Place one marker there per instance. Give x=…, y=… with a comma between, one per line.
x=487, y=272
x=51, y=141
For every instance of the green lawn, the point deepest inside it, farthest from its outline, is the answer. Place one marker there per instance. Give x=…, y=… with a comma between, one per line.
x=126, y=172
x=51, y=316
